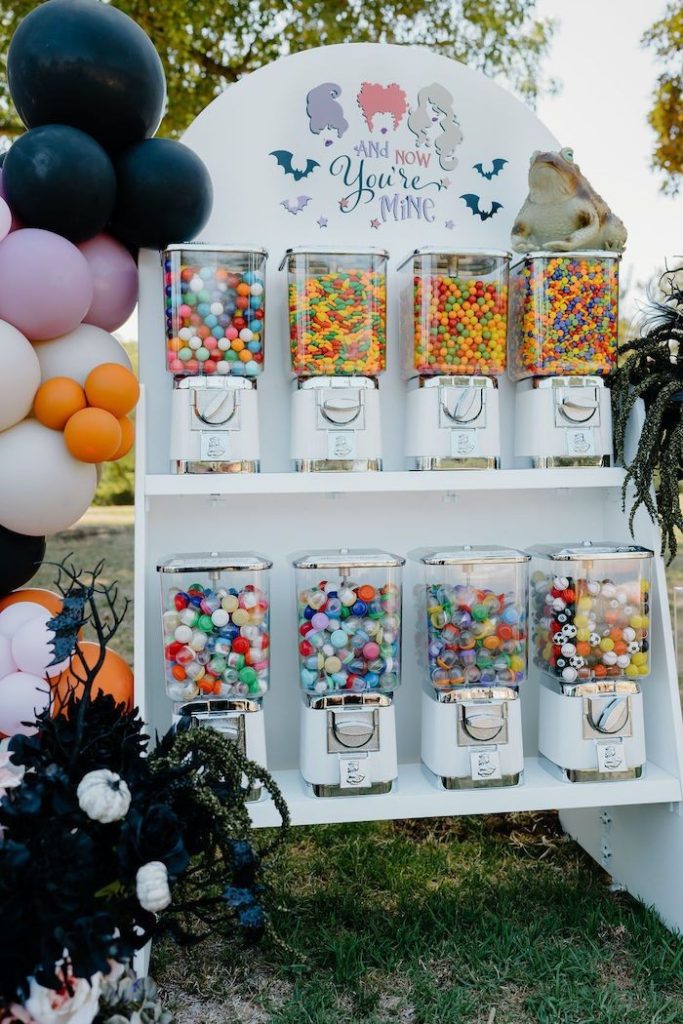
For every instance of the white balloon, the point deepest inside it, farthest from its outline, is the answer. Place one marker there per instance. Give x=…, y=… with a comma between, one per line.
x=20, y=377
x=22, y=696
x=14, y=617
x=32, y=649
x=7, y=663
x=77, y=353
x=43, y=489
x=5, y=219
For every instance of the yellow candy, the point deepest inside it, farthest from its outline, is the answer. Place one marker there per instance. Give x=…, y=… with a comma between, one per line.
x=632, y=670
x=583, y=634
x=581, y=621
x=644, y=670
x=584, y=603
x=637, y=621
x=639, y=659
x=606, y=644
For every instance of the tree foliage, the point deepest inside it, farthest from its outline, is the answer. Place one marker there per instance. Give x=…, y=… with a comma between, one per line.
x=207, y=45
x=665, y=38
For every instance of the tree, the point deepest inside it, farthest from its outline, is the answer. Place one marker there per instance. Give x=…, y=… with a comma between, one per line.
x=665, y=38
x=208, y=44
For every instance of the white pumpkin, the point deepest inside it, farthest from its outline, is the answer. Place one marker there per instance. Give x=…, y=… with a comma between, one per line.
x=103, y=795
x=151, y=884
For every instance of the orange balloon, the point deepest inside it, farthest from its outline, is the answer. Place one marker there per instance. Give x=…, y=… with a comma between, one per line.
x=51, y=602
x=127, y=439
x=57, y=400
x=112, y=387
x=115, y=676
x=93, y=435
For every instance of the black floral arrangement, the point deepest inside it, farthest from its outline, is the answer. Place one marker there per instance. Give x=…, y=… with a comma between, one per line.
x=105, y=845
x=652, y=369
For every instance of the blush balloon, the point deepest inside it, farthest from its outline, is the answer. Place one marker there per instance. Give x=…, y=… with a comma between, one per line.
x=7, y=662
x=22, y=696
x=14, y=616
x=45, y=283
x=32, y=648
x=115, y=277
x=34, y=595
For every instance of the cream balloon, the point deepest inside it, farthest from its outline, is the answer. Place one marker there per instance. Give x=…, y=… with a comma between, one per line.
x=20, y=378
x=32, y=648
x=77, y=353
x=7, y=662
x=43, y=489
x=21, y=696
x=14, y=616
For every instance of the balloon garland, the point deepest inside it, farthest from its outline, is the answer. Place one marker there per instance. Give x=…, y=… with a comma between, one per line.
x=79, y=192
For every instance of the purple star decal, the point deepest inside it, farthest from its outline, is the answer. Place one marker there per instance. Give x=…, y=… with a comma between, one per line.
x=445, y=182
x=322, y=222
x=343, y=203
x=450, y=225
x=374, y=223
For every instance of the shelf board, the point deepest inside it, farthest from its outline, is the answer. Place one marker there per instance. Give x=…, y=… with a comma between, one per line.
x=168, y=484
x=415, y=796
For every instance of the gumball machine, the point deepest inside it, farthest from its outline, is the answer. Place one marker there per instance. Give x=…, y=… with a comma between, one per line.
x=590, y=606
x=216, y=635
x=454, y=307
x=337, y=332
x=562, y=344
x=349, y=641
x=472, y=644
x=215, y=323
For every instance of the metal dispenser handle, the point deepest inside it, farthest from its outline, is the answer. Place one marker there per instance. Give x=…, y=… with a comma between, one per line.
x=216, y=408
x=352, y=730
x=467, y=407
x=340, y=410
x=608, y=718
x=575, y=412
x=479, y=725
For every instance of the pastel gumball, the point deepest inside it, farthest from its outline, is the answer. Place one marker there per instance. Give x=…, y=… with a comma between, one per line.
x=115, y=278
x=20, y=375
x=22, y=696
x=32, y=648
x=77, y=353
x=43, y=489
x=15, y=616
x=7, y=662
x=45, y=283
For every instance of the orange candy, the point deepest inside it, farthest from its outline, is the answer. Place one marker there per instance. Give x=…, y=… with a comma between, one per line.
x=93, y=435
x=57, y=400
x=112, y=387
x=127, y=439
x=366, y=592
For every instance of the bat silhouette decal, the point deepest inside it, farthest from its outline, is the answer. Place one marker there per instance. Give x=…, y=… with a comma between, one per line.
x=284, y=160
x=497, y=166
x=472, y=203
x=299, y=204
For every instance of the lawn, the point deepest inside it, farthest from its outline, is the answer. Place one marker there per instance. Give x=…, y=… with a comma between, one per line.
x=481, y=920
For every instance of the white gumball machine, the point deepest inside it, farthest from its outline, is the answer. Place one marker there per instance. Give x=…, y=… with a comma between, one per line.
x=337, y=330
x=453, y=321
x=349, y=642
x=216, y=640
x=590, y=606
x=215, y=324
x=562, y=344
x=472, y=645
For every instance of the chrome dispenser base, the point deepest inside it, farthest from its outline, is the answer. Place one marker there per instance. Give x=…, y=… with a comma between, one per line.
x=589, y=774
x=337, y=465
x=336, y=790
x=425, y=463
x=181, y=466
x=569, y=462
x=467, y=783
x=239, y=720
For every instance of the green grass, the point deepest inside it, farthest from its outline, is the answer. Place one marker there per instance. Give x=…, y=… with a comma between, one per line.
x=480, y=920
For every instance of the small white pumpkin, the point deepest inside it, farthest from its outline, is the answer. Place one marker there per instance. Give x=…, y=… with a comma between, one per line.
x=151, y=884
x=103, y=795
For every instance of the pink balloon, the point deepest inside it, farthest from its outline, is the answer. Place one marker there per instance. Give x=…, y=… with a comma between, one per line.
x=115, y=274
x=45, y=283
x=32, y=650
x=22, y=696
x=14, y=616
x=15, y=223
x=7, y=663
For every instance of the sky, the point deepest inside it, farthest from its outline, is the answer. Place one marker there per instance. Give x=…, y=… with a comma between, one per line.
x=606, y=80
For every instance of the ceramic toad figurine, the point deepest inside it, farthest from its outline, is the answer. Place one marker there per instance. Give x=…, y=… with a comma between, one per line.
x=562, y=211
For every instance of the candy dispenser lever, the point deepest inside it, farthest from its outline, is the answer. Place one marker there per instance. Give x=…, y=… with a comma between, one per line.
x=341, y=410
x=466, y=405
x=482, y=724
x=216, y=408
x=607, y=717
x=571, y=410
x=352, y=730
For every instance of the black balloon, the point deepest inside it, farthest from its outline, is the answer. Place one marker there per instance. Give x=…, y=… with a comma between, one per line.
x=20, y=559
x=164, y=194
x=86, y=64
x=60, y=179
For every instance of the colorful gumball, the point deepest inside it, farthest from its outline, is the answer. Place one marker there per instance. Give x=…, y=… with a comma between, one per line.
x=77, y=353
x=114, y=677
x=115, y=276
x=22, y=696
x=20, y=375
x=45, y=284
x=92, y=435
x=112, y=387
x=57, y=400
x=127, y=439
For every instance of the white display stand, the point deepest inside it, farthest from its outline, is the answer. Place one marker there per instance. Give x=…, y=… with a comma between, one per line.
x=635, y=829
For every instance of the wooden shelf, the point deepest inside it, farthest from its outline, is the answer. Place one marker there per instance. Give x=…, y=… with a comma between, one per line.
x=167, y=484
x=415, y=796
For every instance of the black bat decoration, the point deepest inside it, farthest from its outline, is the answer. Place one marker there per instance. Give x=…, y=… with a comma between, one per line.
x=284, y=160
x=67, y=624
x=472, y=203
x=497, y=166
x=296, y=207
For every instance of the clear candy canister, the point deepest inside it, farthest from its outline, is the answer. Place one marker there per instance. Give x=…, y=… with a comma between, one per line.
x=216, y=626
x=337, y=311
x=349, y=621
x=454, y=308
x=590, y=607
x=473, y=615
x=564, y=314
x=215, y=310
